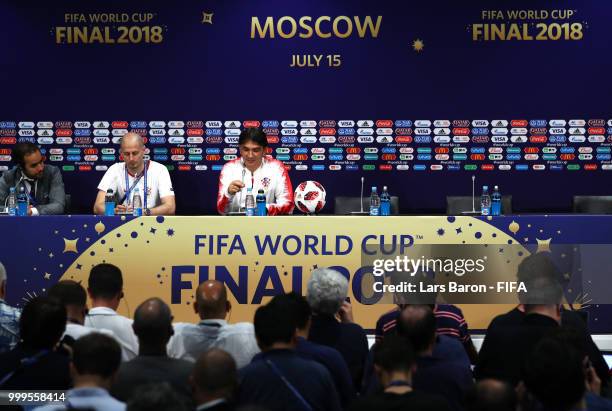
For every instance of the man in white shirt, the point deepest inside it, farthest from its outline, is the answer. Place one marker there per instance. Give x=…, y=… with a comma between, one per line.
x=148, y=177
x=105, y=288
x=190, y=340
x=253, y=169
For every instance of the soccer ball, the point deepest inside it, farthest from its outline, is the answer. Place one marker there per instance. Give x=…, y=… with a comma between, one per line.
x=309, y=197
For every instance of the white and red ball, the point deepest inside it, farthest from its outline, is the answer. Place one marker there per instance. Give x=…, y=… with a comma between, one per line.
x=309, y=197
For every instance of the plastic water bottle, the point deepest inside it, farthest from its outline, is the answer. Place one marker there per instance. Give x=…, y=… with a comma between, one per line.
x=22, y=202
x=496, y=201
x=137, y=203
x=250, y=202
x=374, y=202
x=385, y=202
x=261, y=203
x=12, y=202
x=485, y=201
x=109, y=203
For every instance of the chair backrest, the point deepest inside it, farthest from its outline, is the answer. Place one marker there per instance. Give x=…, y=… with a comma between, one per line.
x=457, y=204
x=593, y=204
x=68, y=205
x=345, y=205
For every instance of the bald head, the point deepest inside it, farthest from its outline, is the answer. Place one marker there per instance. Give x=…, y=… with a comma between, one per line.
x=417, y=323
x=133, y=151
x=130, y=139
x=211, y=300
x=153, y=322
x=491, y=395
x=214, y=374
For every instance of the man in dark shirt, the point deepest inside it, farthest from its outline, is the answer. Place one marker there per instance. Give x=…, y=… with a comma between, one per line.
x=278, y=378
x=327, y=290
x=153, y=327
x=214, y=380
x=329, y=357
x=394, y=364
x=33, y=364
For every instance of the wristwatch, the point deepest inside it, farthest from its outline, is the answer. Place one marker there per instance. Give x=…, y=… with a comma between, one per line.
x=147, y=211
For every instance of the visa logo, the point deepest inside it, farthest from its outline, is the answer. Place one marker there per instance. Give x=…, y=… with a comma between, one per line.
x=499, y=139
x=422, y=131
x=365, y=139
x=289, y=132
x=213, y=124
x=480, y=123
x=346, y=123
x=231, y=140
x=154, y=132
x=26, y=133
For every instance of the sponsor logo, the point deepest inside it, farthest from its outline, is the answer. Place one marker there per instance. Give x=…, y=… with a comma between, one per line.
x=577, y=130
x=460, y=150
x=138, y=124
x=384, y=131
x=402, y=167
x=41, y=133
x=604, y=150
x=577, y=123
x=385, y=167
x=101, y=124
x=120, y=124
x=597, y=123
x=196, y=140
x=558, y=130
x=424, y=150
x=567, y=157
x=461, y=123
x=176, y=124
x=213, y=157
x=403, y=123
x=557, y=139
x=597, y=139
x=346, y=131
x=441, y=139
x=513, y=157
x=101, y=133
x=11, y=132
x=518, y=130
x=384, y=123
x=327, y=131
x=453, y=167
x=537, y=139
x=336, y=157
x=606, y=167
x=422, y=131
x=40, y=124
x=335, y=167
x=461, y=139
x=216, y=151
x=477, y=150
x=82, y=132
x=370, y=157
x=365, y=139
x=584, y=150
x=403, y=131
x=480, y=123
x=470, y=167
x=461, y=131
x=315, y=157
x=209, y=124
x=518, y=123
x=90, y=151
x=532, y=157
x=603, y=157
x=596, y=130
x=365, y=131
x=531, y=150
x=403, y=139
x=232, y=124
x=197, y=124
x=155, y=124
x=419, y=167
x=41, y=140
x=91, y=158
x=184, y=167
x=514, y=139
x=84, y=168
x=556, y=123
x=499, y=123
x=555, y=167
x=504, y=167
x=289, y=132
x=119, y=132
x=442, y=157
x=499, y=139
x=389, y=150
x=307, y=131
x=301, y=150
x=590, y=167
x=217, y=167
x=281, y=150
x=442, y=131
x=477, y=157
x=391, y=157
x=101, y=168
x=577, y=139
x=289, y=123
x=290, y=140
x=573, y=167
x=201, y=167
x=370, y=150
x=176, y=140
x=333, y=150
x=26, y=133
x=459, y=157
x=346, y=123
x=538, y=130
x=176, y=132
x=480, y=139
x=195, y=131
x=346, y=139
x=308, y=139
x=272, y=139
x=538, y=167
x=308, y=123
x=177, y=150
x=422, y=123
x=353, y=157
x=196, y=157
x=487, y=167
x=232, y=131
x=271, y=131
x=327, y=123
x=53, y=158
x=496, y=150
x=499, y=131
x=214, y=132
x=68, y=168
x=178, y=157
x=101, y=140
x=157, y=140
x=549, y=157
x=22, y=124
x=231, y=140
x=422, y=139
x=154, y=132
x=160, y=157
x=539, y=123
x=585, y=157
x=549, y=150
x=11, y=140
x=406, y=157
x=353, y=150
x=301, y=167
x=365, y=123
x=385, y=139
x=251, y=123
x=51, y=151
x=440, y=150
x=73, y=158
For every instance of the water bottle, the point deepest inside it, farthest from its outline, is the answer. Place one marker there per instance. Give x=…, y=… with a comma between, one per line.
x=496, y=201
x=12, y=202
x=22, y=202
x=250, y=202
x=374, y=202
x=385, y=202
x=109, y=203
x=261, y=203
x=137, y=203
x=485, y=201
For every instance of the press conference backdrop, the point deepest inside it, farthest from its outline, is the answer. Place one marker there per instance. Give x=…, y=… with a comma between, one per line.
x=414, y=95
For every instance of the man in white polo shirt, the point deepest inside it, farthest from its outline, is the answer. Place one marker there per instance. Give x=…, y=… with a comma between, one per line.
x=148, y=176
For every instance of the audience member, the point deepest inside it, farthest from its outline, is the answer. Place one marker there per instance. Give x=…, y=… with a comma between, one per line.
x=327, y=291
x=156, y=397
x=153, y=327
x=491, y=395
x=33, y=364
x=105, y=288
x=394, y=363
x=329, y=357
x=278, y=378
x=214, y=381
x=9, y=318
x=95, y=361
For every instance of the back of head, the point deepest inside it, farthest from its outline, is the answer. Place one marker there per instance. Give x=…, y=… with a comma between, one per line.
x=491, y=395
x=295, y=304
x=69, y=292
x=211, y=299
x=158, y=397
x=537, y=266
x=253, y=134
x=394, y=353
x=215, y=373
x=327, y=289
x=20, y=150
x=2, y=273
x=105, y=281
x=417, y=323
x=42, y=322
x=153, y=322
x=96, y=354
x=273, y=325
x=541, y=291
x=554, y=374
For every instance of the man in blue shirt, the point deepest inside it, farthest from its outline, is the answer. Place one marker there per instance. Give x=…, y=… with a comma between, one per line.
x=278, y=378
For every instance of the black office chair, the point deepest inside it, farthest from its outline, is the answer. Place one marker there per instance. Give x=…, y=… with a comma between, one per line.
x=345, y=205
x=593, y=204
x=456, y=205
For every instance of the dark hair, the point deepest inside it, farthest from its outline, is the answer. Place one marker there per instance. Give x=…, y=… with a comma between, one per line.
x=156, y=396
x=554, y=374
x=273, y=324
x=417, y=323
x=105, y=281
x=96, y=354
x=296, y=305
x=255, y=135
x=394, y=353
x=153, y=321
x=215, y=371
x=69, y=292
x=20, y=150
x=42, y=322
x=491, y=395
x=537, y=266
x=541, y=291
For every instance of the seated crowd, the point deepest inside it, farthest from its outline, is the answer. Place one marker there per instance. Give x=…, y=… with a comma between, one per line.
x=300, y=353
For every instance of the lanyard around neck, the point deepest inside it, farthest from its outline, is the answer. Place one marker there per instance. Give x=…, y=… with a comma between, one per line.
x=128, y=189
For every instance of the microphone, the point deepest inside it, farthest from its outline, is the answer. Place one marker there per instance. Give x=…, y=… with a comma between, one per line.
x=473, y=211
x=361, y=195
x=242, y=180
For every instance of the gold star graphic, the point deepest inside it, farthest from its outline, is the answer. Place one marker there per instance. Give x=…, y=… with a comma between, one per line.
x=47, y=276
x=543, y=245
x=70, y=246
x=207, y=18
x=418, y=45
